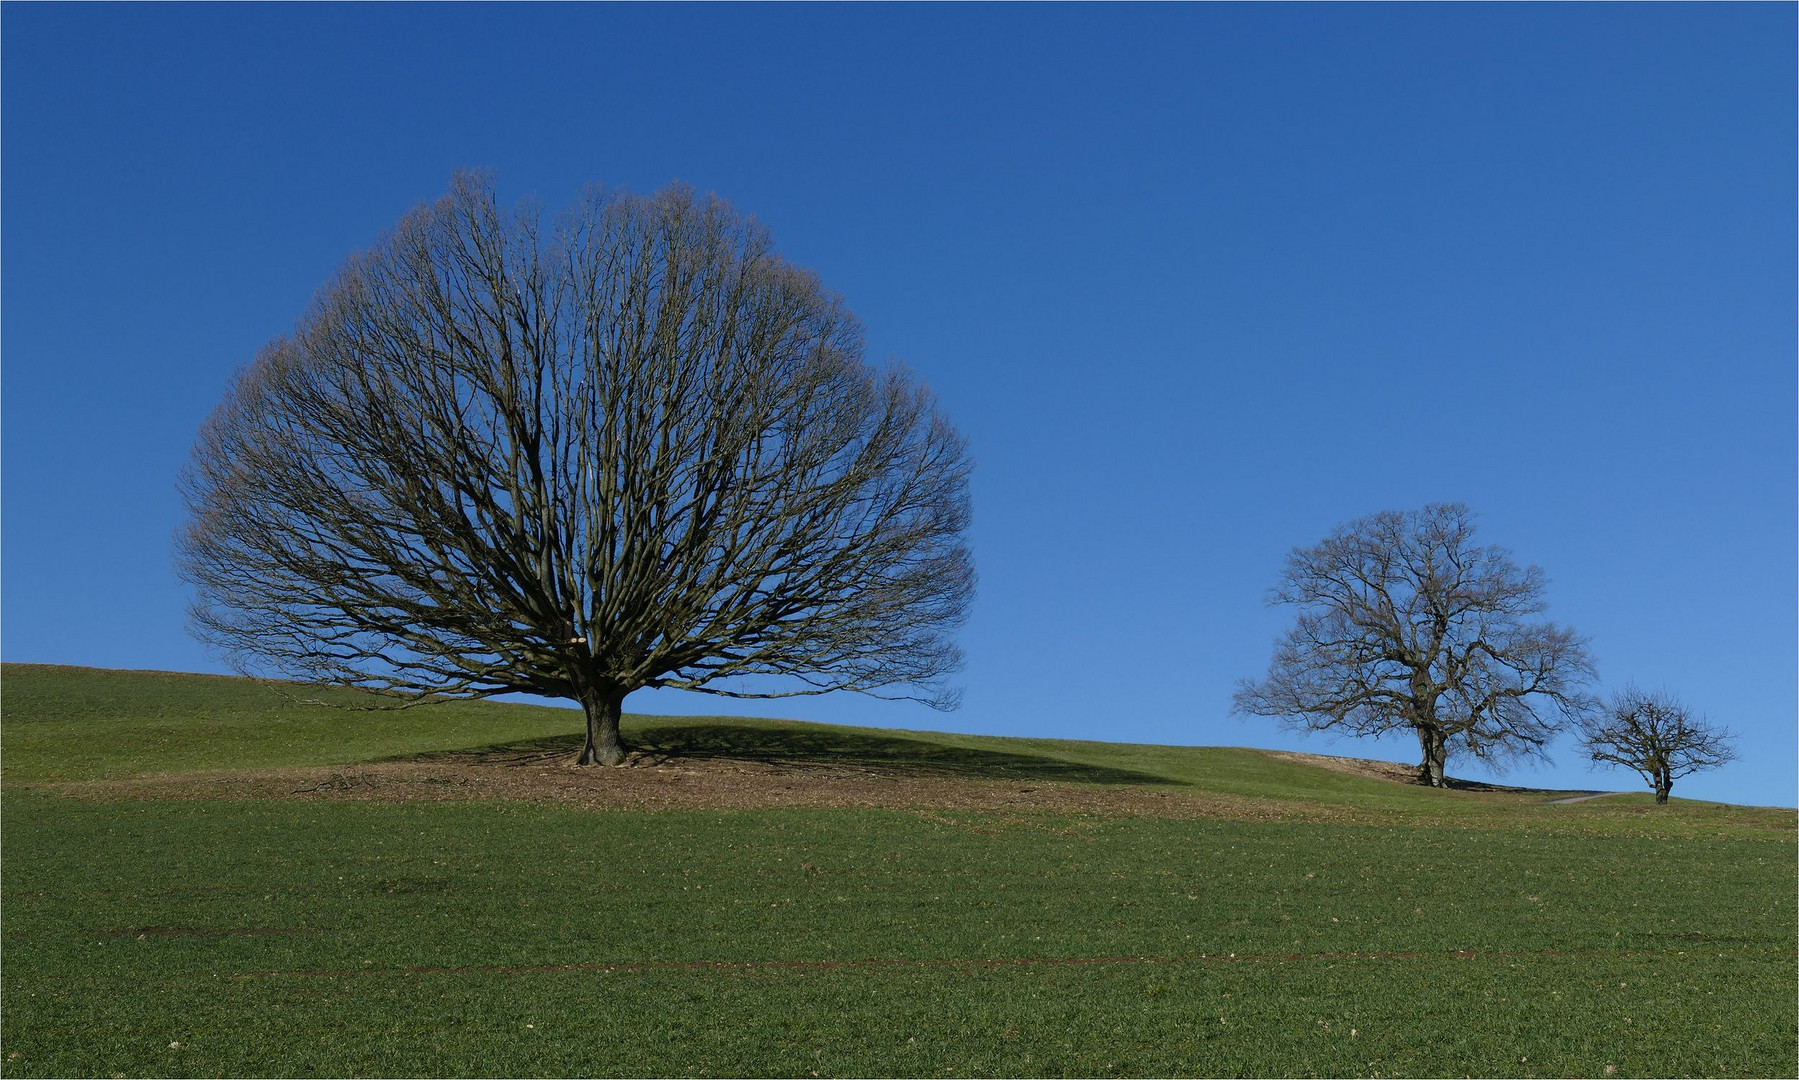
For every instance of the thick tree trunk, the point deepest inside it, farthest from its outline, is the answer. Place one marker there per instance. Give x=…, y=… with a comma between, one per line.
x=1663, y=784
x=1436, y=749
x=603, y=706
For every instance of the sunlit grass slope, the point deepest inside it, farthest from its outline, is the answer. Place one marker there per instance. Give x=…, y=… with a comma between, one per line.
x=1440, y=933
x=71, y=723
x=74, y=723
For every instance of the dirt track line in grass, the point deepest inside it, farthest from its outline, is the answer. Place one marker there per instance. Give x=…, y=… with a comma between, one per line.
x=1022, y=961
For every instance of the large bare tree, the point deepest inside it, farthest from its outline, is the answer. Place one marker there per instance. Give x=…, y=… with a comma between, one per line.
x=629, y=448
x=1656, y=735
x=1404, y=623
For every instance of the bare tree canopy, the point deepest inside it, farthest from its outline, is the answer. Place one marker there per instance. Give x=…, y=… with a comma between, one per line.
x=632, y=448
x=1656, y=735
x=1404, y=623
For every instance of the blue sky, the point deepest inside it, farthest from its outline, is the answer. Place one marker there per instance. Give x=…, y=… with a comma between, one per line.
x=1200, y=283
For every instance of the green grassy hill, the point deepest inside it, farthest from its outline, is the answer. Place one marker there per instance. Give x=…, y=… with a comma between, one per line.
x=163, y=915
x=75, y=724
x=70, y=723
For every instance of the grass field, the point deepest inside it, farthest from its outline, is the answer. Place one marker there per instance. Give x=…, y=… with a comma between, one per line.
x=1274, y=919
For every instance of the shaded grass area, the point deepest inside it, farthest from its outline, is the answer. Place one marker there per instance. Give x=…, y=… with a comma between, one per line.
x=802, y=746
x=132, y=926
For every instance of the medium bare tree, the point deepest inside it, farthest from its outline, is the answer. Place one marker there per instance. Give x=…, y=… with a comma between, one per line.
x=1656, y=735
x=634, y=448
x=1405, y=624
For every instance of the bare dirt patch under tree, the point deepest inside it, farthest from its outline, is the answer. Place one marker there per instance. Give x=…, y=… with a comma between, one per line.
x=653, y=781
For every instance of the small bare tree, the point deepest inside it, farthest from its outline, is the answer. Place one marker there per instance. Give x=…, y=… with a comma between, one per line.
x=1656, y=735
x=1405, y=624
x=634, y=449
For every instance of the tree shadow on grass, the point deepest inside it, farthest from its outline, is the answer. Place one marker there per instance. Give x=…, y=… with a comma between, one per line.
x=872, y=752
x=803, y=748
